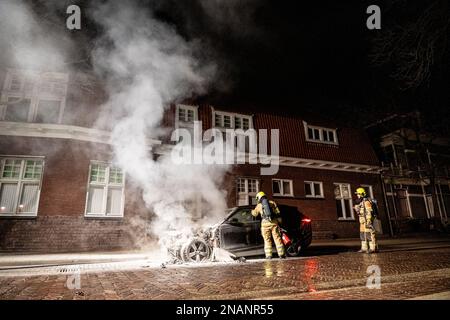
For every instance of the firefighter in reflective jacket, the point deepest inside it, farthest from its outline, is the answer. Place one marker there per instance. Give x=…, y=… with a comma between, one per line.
x=269, y=224
x=364, y=210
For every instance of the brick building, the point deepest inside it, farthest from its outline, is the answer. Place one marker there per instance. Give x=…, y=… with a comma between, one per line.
x=59, y=191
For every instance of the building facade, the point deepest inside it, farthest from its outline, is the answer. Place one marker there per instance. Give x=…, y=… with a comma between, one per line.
x=416, y=179
x=59, y=191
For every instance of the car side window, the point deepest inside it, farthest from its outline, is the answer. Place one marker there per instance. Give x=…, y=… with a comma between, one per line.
x=242, y=216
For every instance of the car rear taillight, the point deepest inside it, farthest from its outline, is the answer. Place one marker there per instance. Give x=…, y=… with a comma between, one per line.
x=306, y=220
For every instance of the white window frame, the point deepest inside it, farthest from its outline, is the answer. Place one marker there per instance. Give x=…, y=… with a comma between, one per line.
x=21, y=181
x=246, y=192
x=313, y=192
x=183, y=124
x=282, y=193
x=106, y=186
x=321, y=130
x=233, y=117
x=344, y=211
x=5, y=102
x=35, y=95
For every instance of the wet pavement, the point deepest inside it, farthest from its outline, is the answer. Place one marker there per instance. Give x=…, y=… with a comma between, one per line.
x=413, y=269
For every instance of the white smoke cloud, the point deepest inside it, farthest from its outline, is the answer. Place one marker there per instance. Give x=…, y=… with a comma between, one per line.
x=27, y=41
x=147, y=65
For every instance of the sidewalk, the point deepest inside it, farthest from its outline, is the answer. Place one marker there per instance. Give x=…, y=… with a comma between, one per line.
x=9, y=260
x=387, y=240
x=435, y=296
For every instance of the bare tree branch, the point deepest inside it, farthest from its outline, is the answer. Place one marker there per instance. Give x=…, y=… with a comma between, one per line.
x=413, y=48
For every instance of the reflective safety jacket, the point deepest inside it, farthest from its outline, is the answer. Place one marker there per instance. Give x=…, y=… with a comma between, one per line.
x=364, y=210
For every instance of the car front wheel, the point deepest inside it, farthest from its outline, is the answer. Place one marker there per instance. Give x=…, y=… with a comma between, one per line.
x=196, y=250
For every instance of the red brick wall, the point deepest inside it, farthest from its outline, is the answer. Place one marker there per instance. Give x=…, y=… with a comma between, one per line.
x=322, y=211
x=60, y=224
x=66, y=170
x=65, y=233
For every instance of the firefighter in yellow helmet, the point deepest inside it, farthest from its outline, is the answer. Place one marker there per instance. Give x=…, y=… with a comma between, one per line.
x=270, y=219
x=364, y=210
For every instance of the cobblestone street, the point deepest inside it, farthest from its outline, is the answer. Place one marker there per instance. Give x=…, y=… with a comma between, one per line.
x=405, y=274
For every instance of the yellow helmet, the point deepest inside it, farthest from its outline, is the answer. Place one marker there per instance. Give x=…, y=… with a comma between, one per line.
x=361, y=192
x=259, y=195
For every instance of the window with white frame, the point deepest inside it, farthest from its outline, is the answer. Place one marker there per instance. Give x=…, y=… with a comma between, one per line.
x=33, y=96
x=17, y=109
x=313, y=189
x=344, y=202
x=105, y=196
x=47, y=111
x=247, y=188
x=20, y=185
x=227, y=120
x=186, y=115
x=242, y=122
x=320, y=134
x=282, y=187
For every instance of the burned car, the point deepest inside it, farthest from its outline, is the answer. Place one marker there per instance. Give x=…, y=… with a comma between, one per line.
x=240, y=234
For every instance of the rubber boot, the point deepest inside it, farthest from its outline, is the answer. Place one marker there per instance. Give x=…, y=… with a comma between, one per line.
x=364, y=247
x=372, y=247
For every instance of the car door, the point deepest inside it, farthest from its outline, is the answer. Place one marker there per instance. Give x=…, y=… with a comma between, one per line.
x=239, y=231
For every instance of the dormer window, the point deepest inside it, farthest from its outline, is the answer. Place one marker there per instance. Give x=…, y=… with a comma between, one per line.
x=226, y=120
x=328, y=136
x=320, y=134
x=313, y=134
x=242, y=122
x=186, y=115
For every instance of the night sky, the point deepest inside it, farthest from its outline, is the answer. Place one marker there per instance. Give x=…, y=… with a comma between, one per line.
x=299, y=57
x=292, y=55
